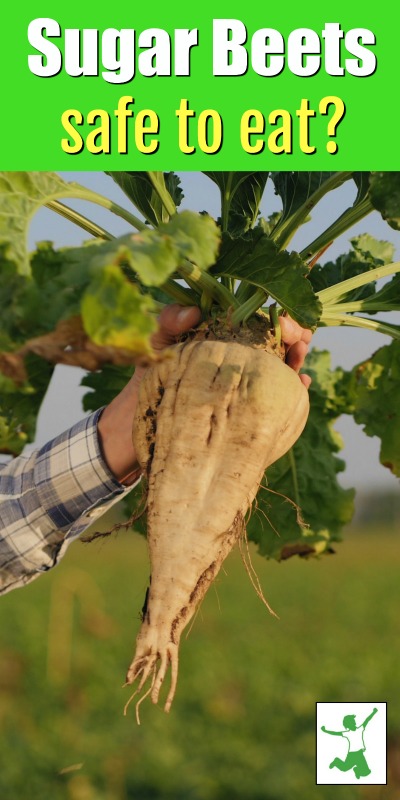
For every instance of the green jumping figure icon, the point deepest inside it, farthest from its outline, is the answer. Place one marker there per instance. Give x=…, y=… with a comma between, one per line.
x=354, y=734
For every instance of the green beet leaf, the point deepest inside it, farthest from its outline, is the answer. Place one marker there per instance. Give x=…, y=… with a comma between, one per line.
x=155, y=254
x=13, y=438
x=21, y=195
x=104, y=385
x=241, y=194
x=300, y=192
x=140, y=189
x=20, y=405
x=295, y=188
x=361, y=206
x=385, y=196
x=195, y=236
x=377, y=401
x=33, y=306
x=173, y=185
x=116, y=314
x=150, y=255
x=387, y=299
x=257, y=260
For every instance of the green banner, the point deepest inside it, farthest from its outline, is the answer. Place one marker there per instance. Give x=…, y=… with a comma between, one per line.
x=98, y=86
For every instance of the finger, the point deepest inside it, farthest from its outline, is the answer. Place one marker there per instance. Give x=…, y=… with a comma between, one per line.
x=292, y=332
x=307, y=335
x=305, y=379
x=296, y=354
x=173, y=320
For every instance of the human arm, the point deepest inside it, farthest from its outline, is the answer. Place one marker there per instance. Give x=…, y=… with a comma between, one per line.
x=48, y=498
x=365, y=723
x=332, y=733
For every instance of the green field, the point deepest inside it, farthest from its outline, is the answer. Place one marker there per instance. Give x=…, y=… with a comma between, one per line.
x=242, y=723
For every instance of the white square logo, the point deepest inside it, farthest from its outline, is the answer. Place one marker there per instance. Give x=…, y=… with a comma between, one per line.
x=351, y=743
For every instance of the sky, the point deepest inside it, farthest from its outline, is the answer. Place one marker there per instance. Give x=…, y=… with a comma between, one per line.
x=348, y=346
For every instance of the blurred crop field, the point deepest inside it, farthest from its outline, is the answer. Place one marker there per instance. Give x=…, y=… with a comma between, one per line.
x=242, y=723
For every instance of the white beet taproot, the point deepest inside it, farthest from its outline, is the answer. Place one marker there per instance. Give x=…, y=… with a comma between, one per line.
x=210, y=420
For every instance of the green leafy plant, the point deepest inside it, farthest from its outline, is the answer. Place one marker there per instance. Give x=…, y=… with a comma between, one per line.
x=96, y=306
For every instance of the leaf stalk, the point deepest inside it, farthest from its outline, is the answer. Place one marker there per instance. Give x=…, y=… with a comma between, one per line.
x=206, y=282
x=79, y=219
x=360, y=322
x=333, y=293
x=249, y=307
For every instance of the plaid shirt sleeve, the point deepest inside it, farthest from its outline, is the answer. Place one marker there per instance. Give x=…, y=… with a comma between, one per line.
x=48, y=498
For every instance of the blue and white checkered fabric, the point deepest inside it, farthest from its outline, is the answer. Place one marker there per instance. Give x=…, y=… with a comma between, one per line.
x=48, y=498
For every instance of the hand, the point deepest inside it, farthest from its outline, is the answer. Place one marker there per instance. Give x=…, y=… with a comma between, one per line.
x=115, y=424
